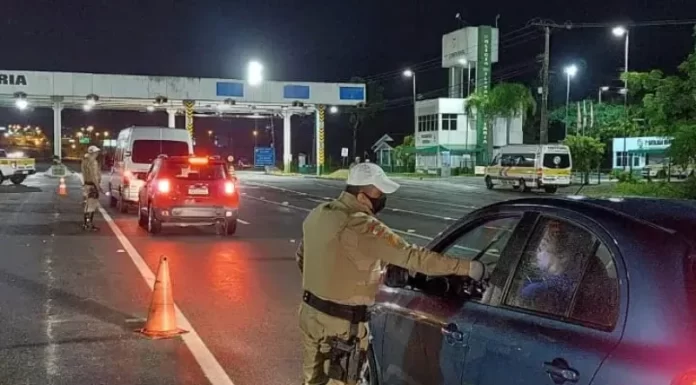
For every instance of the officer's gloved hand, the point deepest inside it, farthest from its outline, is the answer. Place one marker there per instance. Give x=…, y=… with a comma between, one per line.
x=478, y=271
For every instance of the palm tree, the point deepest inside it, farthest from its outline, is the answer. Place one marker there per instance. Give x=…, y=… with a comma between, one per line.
x=511, y=101
x=507, y=100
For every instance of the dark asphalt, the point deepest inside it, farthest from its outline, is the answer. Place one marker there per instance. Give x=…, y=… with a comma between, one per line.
x=69, y=301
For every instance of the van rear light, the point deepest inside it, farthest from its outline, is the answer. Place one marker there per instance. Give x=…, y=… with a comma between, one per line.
x=539, y=172
x=163, y=186
x=127, y=176
x=688, y=378
x=198, y=160
x=229, y=187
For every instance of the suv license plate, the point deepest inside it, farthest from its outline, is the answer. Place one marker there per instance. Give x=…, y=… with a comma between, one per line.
x=198, y=191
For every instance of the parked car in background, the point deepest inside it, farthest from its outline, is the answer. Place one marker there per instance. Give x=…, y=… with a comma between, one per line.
x=583, y=291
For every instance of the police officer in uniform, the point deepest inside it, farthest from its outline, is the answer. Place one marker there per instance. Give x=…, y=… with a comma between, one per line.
x=341, y=256
x=91, y=173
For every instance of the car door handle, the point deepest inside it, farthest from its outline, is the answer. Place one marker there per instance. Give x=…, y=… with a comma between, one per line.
x=452, y=333
x=560, y=372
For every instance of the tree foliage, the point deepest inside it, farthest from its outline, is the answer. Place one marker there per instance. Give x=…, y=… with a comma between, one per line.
x=587, y=152
x=405, y=153
x=361, y=114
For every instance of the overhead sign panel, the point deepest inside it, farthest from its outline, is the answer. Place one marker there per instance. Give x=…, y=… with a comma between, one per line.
x=292, y=91
x=351, y=93
x=231, y=89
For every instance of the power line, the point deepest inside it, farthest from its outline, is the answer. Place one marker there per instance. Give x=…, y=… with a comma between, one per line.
x=655, y=23
x=435, y=63
x=505, y=39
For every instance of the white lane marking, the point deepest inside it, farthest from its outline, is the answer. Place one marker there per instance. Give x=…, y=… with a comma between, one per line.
x=243, y=221
x=457, y=206
x=410, y=234
x=421, y=214
x=203, y=356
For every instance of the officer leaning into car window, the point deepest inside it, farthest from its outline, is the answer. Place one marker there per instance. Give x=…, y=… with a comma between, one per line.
x=340, y=258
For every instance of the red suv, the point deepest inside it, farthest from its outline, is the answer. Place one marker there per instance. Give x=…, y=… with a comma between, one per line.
x=188, y=191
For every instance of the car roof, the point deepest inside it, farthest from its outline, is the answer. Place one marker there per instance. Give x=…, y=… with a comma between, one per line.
x=672, y=215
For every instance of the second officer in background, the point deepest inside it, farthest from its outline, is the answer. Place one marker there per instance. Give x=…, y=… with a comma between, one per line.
x=341, y=256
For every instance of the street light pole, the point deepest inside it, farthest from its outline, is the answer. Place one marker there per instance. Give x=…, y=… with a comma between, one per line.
x=570, y=71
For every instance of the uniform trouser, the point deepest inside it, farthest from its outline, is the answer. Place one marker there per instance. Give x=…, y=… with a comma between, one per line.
x=316, y=328
x=88, y=195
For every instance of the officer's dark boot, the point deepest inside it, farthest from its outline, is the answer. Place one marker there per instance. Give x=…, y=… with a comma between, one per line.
x=91, y=222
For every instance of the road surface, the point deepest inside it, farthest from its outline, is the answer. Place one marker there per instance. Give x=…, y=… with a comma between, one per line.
x=70, y=302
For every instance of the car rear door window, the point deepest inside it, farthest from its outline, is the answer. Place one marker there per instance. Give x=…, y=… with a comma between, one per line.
x=556, y=160
x=565, y=271
x=187, y=171
x=145, y=151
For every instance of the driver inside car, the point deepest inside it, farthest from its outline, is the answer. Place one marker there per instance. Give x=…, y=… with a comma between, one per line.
x=550, y=291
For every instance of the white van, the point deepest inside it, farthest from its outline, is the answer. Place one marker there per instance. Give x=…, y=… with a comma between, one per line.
x=527, y=166
x=136, y=148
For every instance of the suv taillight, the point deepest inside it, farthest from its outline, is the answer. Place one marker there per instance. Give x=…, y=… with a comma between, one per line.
x=163, y=186
x=229, y=187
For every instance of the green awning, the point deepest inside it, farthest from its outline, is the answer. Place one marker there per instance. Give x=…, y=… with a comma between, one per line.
x=453, y=150
x=649, y=151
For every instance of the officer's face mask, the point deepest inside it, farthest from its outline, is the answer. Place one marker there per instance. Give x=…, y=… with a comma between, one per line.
x=378, y=204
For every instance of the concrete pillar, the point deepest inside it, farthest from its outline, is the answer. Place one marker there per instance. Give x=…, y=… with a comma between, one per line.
x=171, y=114
x=57, y=126
x=287, y=135
x=320, y=118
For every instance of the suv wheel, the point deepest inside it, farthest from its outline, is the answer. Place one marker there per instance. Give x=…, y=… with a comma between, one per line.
x=231, y=227
x=153, y=225
x=142, y=218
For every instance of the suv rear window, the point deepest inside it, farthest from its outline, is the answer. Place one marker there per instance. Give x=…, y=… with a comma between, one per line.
x=185, y=171
x=145, y=151
x=556, y=160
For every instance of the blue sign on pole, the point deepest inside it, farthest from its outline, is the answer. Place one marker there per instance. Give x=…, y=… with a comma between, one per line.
x=264, y=156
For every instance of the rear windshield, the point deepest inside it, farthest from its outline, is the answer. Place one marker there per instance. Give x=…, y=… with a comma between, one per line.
x=145, y=151
x=557, y=160
x=186, y=171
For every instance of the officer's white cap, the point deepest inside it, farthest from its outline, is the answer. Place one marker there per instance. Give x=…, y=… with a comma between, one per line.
x=93, y=149
x=365, y=174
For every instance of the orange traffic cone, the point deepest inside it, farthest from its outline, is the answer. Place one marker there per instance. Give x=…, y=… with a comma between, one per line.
x=62, y=189
x=161, y=320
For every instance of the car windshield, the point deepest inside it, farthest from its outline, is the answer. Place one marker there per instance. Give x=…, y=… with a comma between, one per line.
x=557, y=160
x=145, y=151
x=185, y=170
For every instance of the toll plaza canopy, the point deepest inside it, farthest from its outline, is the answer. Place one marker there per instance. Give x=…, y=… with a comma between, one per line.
x=190, y=95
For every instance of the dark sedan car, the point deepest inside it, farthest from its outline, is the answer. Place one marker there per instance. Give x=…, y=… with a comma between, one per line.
x=583, y=291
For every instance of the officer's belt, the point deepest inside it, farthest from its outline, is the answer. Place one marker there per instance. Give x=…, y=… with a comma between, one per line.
x=353, y=314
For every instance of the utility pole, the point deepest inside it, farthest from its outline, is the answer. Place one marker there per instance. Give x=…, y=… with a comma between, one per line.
x=544, y=134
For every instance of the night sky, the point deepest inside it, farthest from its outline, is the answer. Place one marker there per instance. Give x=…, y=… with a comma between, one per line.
x=317, y=41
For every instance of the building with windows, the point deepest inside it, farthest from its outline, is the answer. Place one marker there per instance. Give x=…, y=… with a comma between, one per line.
x=637, y=153
x=446, y=136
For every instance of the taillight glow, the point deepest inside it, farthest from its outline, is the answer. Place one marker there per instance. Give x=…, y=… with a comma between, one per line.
x=539, y=172
x=688, y=378
x=229, y=187
x=199, y=160
x=127, y=176
x=163, y=186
